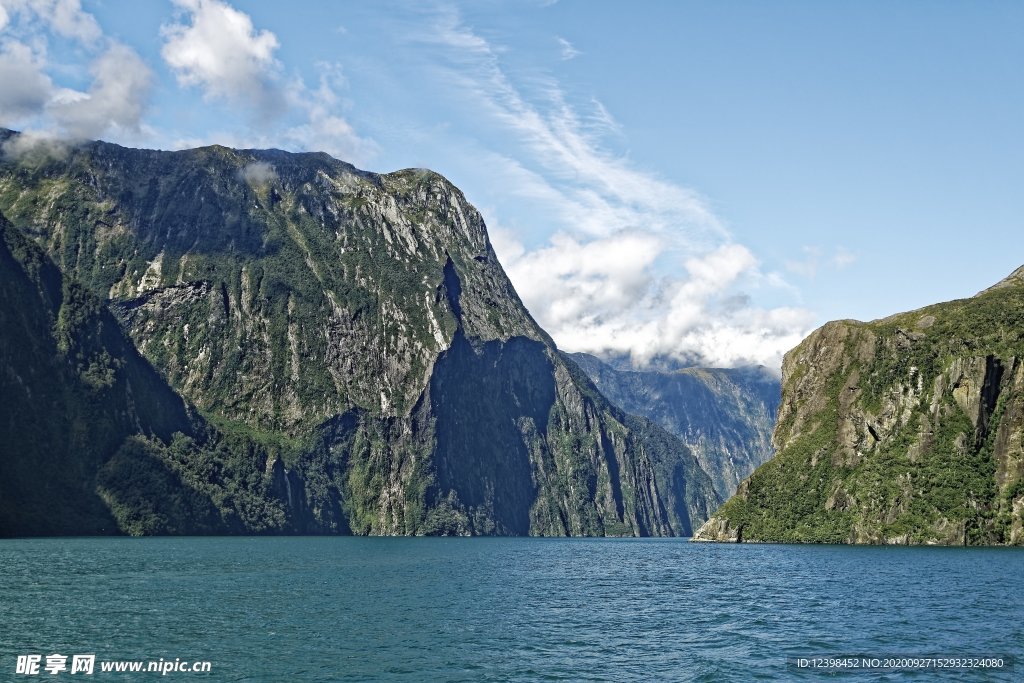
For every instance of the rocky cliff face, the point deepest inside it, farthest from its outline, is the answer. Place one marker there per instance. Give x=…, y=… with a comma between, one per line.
x=725, y=416
x=355, y=337
x=905, y=430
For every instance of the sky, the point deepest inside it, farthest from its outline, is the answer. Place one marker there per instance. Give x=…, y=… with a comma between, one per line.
x=701, y=181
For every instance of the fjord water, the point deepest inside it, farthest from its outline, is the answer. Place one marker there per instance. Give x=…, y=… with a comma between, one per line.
x=322, y=609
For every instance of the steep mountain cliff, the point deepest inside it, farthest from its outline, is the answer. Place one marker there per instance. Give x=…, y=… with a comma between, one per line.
x=71, y=390
x=904, y=430
x=92, y=439
x=354, y=336
x=724, y=415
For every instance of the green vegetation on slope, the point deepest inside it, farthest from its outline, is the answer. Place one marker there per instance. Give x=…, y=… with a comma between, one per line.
x=907, y=429
x=92, y=440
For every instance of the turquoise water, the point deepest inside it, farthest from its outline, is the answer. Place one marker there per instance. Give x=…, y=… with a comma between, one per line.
x=323, y=609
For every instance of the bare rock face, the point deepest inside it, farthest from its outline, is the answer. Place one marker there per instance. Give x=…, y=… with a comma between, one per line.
x=906, y=430
x=351, y=339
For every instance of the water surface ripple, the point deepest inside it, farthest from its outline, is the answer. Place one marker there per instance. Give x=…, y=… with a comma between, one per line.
x=331, y=609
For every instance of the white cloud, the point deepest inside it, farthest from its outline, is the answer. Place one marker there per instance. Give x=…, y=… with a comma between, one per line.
x=637, y=265
x=258, y=173
x=26, y=88
x=46, y=112
x=210, y=46
x=324, y=130
x=64, y=17
x=67, y=19
x=33, y=145
x=219, y=50
x=115, y=101
x=568, y=51
x=593, y=278
x=216, y=48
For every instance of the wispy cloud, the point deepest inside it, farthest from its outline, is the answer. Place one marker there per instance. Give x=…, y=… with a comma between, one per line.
x=637, y=264
x=843, y=257
x=813, y=258
x=807, y=265
x=568, y=51
x=567, y=148
x=324, y=129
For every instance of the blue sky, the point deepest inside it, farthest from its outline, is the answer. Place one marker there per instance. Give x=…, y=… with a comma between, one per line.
x=702, y=180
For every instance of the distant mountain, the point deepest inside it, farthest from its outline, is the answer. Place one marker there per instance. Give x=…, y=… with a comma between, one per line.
x=356, y=356
x=725, y=416
x=903, y=430
x=658, y=363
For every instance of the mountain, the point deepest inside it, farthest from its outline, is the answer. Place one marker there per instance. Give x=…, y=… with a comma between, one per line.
x=354, y=355
x=725, y=416
x=903, y=430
